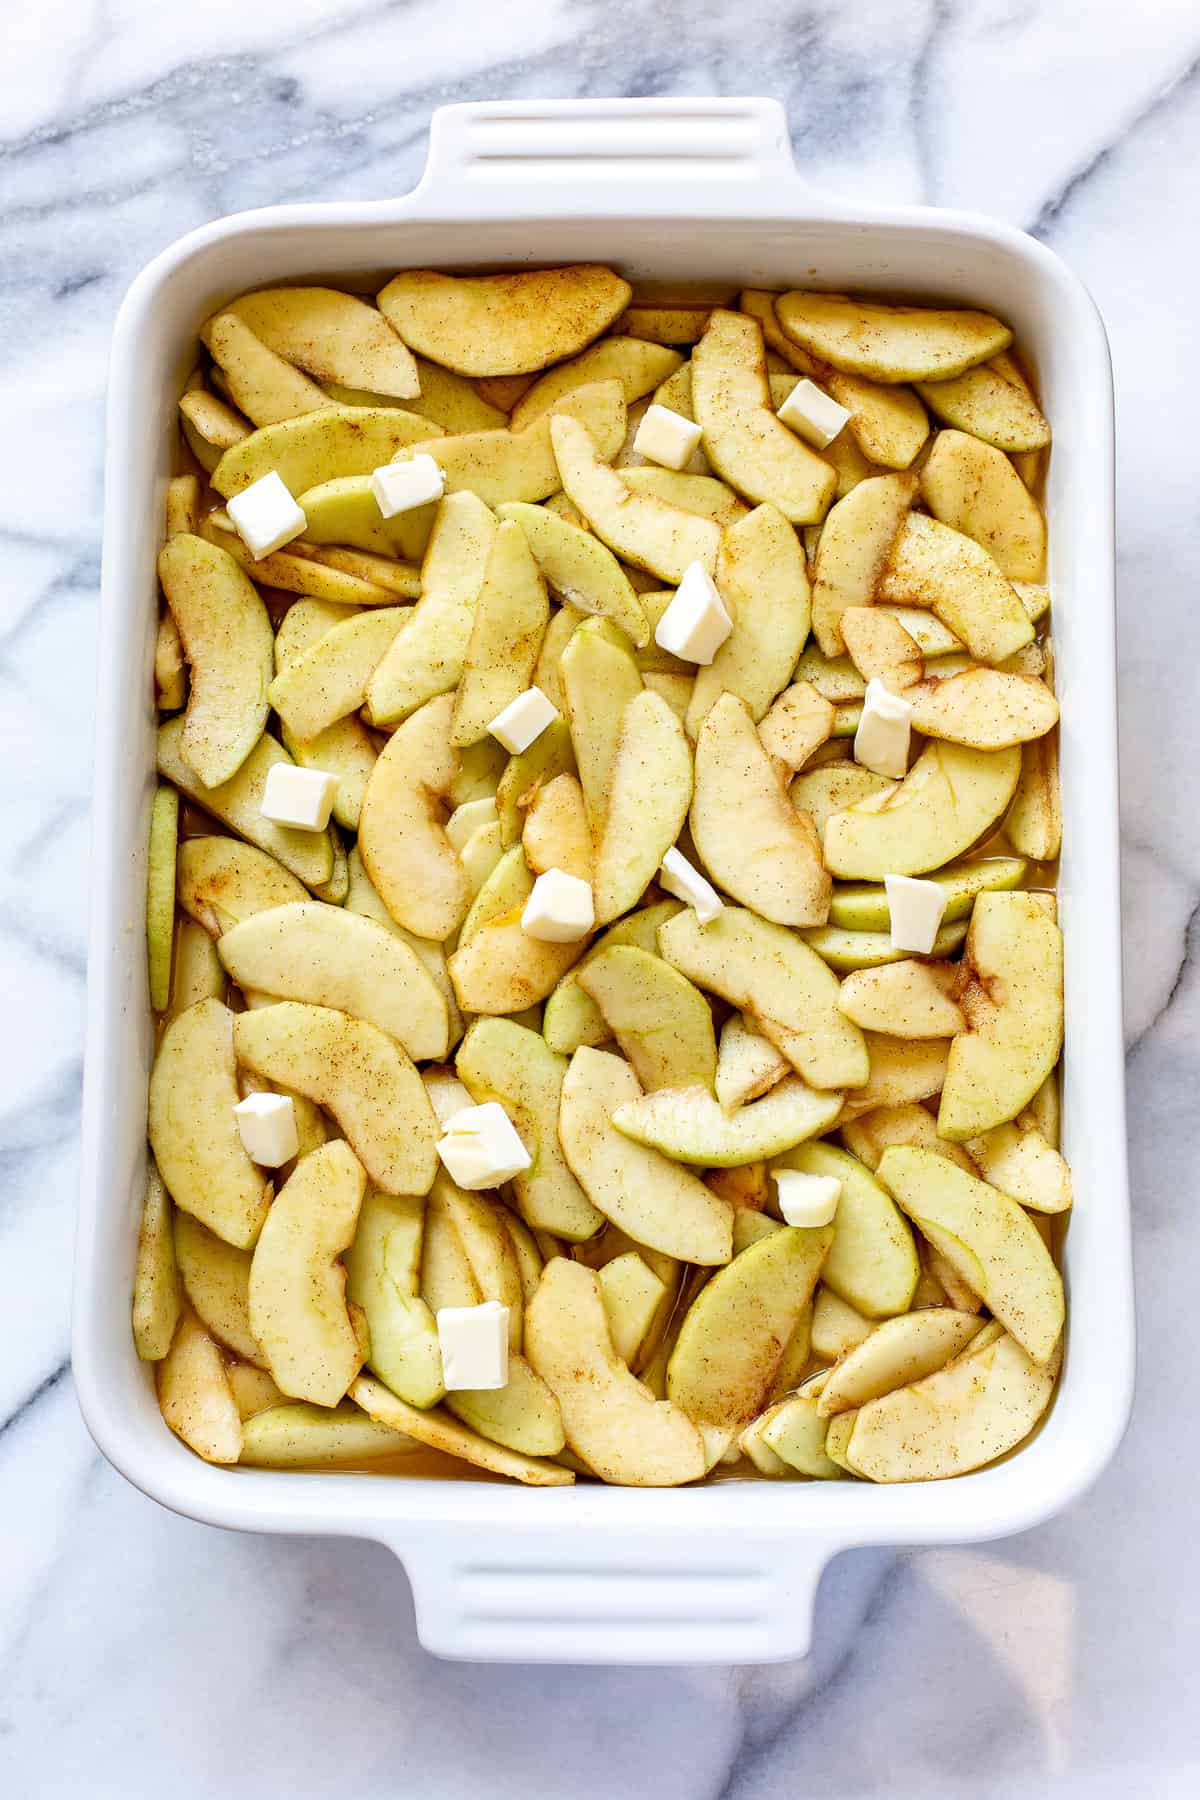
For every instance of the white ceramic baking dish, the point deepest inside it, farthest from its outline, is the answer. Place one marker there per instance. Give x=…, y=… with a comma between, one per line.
x=664, y=189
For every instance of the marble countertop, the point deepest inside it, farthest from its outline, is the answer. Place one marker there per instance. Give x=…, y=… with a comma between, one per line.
x=137, y=1649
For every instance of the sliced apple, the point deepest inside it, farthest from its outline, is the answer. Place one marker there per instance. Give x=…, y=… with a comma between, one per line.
x=872, y=1263
x=889, y=343
x=935, y=566
x=902, y=1070
x=382, y=1274
x=948, y=799
x=612, y=1421
x=662, y=1023
x=770, y=973
x=364, y=1079
x=800, y=721
x=556, y=834
x=824, y=790
x=1019, y=1160
x=896, y=1353
x=993, y=402
x=763, y=579
x=580, y=569
x=194, y=1395
x=197, y=973
x=499, y=466
x=334, y=336
x=193, y=1133
x=639, y=366
x=752, y=841
x=405, y=851
x=330, y=679
x=870, y=1134
x=863, y=906
x=689, y=1125
x=216, y=1280
x=794, y=1432
x=645, y=1193
x=227, y=640
x=564, y=621
x=964, y=1416
x=600, y=678
x=748, y=1064
x=973, y=487
x=345, y=511
x=511, y=614
x=881, y=647
x=743, y=439
x=320, y=446
x=572, y=1017
x=1034, y=822
x=503, y=324
x=265, y=386
x=703, y=495
x=837, y=1327
x=856, y=541
x=160, y=893
x=639, y=528
x=648, y=792
x=156, y=1298
x=632, y=1294
x=984, y=708
x=887, y=424
x=498, y=967
x=906, y=999
x=298, y=1436
x=500, y=1060
x=737, y=1328
x=550, y=755
x=1013, y=1001
x=987, y=1238
x=440, y=1431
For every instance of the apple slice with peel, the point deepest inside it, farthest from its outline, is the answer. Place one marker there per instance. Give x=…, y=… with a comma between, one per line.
x=1018, y=1159
x=881, y=648
x=439, y=1430
x=662, y=1023
x=948, y=799
x=649, y=789
x=1013, y=1001
x=979, y=1406
x=650, y=1197
x=227, y=640
x=160, y=893
x=752, y=841
x=193, y=1133
x=265, y=386
x=319, y=446
x=195, y=1397
x=639, y=367
x=863, y=906
x=639, y=528
x=703, y=495
x=856, y=541
x=690, y=1126
x=216, y=1280
x=330, y=679
x=973, y=487
x=748, y=1064
x=300, y=1436
x=362, y=1077
x=743, y=439
x=1034, y=822
x=987, y=1238
x=329, y=957
x=837, y=1327
x=361, y=897
x=333, y=336
x=800, y=721
x=572, y=1017
x=902, y=1070
x=889, y=343
x=600, y=678
x=498, y=967
x=632, y=1295
x=932, y=565
x=896, y=1353
x=156, y=1298
x=736, y=1330
x=794, y=1432
x=904, y=999
x=402, y=838
x=555, y=834
x=763, y=579
x=983, y=708
x=612, y=1421
x=297, y=1284
x=822, y=791
x=873, y=1261
x=427, y=658
x=869, y=1135
x=771, y=974
x=581, y=570
x=846, y=951
x=501, y=1060
x=510, y=616
x=503, y=324
x=524, y=775
x=383, y=1266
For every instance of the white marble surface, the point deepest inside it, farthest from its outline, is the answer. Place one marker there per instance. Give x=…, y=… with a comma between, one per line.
x=139, y=1650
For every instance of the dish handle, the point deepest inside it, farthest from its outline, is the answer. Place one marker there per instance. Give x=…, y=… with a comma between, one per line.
x=582, y=1594
x=707, y=155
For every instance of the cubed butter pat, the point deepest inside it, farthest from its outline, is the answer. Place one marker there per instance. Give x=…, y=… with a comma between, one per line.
x=689, y=885
x=302, y=798
x=265, y=515
x=666, y=437
x=480, y=1147
x=695, y=624
x=560, y=909
x=807, y=1200
x=474, y=1345
x=881, y=741
x=523, y=720
x=915, y=910
x=813, y=414
x=267, y=1126
x=399, y=486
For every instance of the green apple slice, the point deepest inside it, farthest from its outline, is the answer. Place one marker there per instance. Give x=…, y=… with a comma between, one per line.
x=973, y=487
x=500, y=466
x=856, y=540
x=222, y=881
x=299, y=1436
x=195, y=1397
x=556, y=833
x=935, y=566
x=743, y=439
x=966, y=1415
x=333, y=335
x=873, y=1261
x=216, y=1280
x=640, y=367
x=751, y=839
x=763, y=579
x=227, y=640
x=1014, y=1008
x=650, y=1197
x=330, y=678
x=889, y=343
x=503, y=324
x=1034, y=822
x=846, y=951
x=344, y=511
x=599, y=678
x=896, y=1353
x=834, y=787
x=160, y=893
x=748, y=1064
x=662, y=1023
x=640, y=529
x=736, y=1329
x=361, y=897
x=887, y=424
x=948, y=799
x=156, y=1299
x=382, y=1277
x=320, y=446
x=632, y=1294
x=498, y=967
x=703, y=495
x=572, y=1017
x=510, y=617
x=905, y=999
x=612, y=1421
x=582, y=571
x=795, y=1433
x=987, y=1238
x=800, y=721
x=362, y=1077
x=902, y=1070
x=440, y=1431
x=648, y=791
x=869, y=1135
x=402, y=837
x=689, y=1125
x=863, y=906
x=771, y=974
x=837, y=1327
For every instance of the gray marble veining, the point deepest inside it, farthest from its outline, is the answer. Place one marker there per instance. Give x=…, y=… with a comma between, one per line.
x=138, y=1650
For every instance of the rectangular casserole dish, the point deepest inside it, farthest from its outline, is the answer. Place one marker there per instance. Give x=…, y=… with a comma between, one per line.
x=670, y=189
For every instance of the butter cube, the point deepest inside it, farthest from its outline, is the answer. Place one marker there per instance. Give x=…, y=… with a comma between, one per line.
x=695, y=624
x=400, y=486
x=474, y=1345
x=881, y=741
x=265, y=516
x=523, y=720
x=915, y=910
x=301, y=798
x=807, y=1200
x=560, y=908
x=813, y=414
x=267, y=1126
x=687, y=884
x=666, y=437
x=480, y=1148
